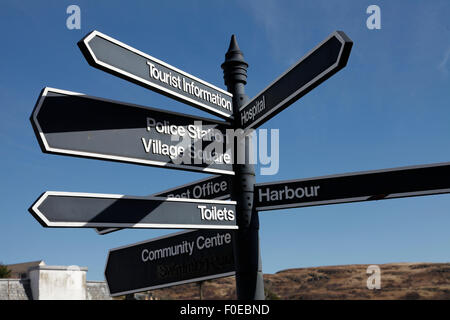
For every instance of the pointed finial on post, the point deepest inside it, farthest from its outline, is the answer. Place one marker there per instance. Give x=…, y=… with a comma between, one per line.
x=234, y=67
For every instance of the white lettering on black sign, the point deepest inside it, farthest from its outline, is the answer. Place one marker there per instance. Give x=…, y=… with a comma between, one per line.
x=186, y=247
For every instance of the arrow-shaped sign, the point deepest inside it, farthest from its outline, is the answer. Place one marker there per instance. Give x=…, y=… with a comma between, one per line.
x=352, y=187
x=321, y=63
x=70, y=123
x=216, y=187
x=91, y=210
x=117, y=58
x=170, y=260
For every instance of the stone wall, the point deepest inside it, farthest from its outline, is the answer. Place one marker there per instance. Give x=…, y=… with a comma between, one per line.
x=97, y=290
x=15, y=289
x=20, y=289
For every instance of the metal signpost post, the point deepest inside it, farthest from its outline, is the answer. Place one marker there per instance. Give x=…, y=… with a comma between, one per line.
x=249, y=276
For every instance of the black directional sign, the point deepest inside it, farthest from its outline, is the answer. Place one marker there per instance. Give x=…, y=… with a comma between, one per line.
x=321, y=63
x=117, y=58
x=358, y=186
x=87, y=210
x=73, y=124
x=171, y=260
x=215, y=187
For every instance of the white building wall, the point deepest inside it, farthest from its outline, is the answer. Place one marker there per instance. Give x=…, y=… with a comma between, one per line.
x=58, y=283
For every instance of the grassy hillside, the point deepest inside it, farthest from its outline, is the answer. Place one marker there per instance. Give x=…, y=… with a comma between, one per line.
x=398, y=281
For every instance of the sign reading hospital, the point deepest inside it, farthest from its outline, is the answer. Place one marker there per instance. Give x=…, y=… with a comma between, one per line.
x=321, y=63
x=117, y=58
x=170, y=260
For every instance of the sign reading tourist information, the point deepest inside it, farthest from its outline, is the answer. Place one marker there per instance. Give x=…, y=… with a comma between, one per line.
x=171, y=260
x=117, y=58
x=87, y=210
x=73, y=124
x=216, y=187
x=358, y=186
x=321, y=63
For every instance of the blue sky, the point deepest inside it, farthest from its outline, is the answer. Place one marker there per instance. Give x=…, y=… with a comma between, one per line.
x=389, y=107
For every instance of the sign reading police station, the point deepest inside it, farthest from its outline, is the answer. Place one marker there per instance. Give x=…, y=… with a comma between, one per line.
x=170, y=260
x=74, y=124
x=117, y=58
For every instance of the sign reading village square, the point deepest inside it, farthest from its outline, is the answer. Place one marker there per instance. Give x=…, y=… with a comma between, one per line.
x=117, y=58
x=73, y=124
x=170, y=260
x=91, y=210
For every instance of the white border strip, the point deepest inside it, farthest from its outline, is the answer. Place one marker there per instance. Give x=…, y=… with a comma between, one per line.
x=416, y=193
x=354, y=199
x=48, y=92
x=121, y=196
x=421, y=166
x=312, y=203
x=151, y=84
x=318, y=77
x=150, y=240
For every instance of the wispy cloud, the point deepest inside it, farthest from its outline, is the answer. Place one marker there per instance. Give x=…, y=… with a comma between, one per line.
x=293, y=27
x=443, y=66
x=278, y=26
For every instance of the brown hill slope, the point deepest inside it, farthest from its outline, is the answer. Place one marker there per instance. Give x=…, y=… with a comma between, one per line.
x=398, y=281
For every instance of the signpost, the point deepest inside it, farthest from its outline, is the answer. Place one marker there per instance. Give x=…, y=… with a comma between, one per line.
x=91, y=210
x=318, y=65
x=117, y=58
x=170, y=260
x=73, y=124
x=358, y=186
x=215, y=187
